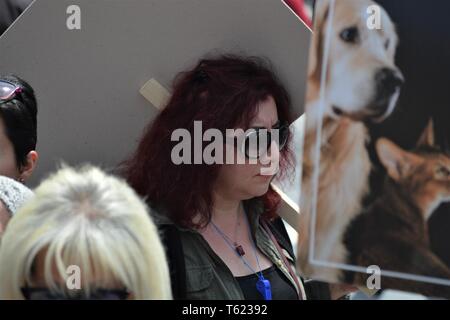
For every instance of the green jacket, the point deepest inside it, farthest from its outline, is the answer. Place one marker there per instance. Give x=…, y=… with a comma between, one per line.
x=205, y=275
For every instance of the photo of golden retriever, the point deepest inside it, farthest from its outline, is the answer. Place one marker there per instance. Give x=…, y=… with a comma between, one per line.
x=352, y=80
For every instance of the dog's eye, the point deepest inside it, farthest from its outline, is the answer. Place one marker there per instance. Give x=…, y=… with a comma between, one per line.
x=350, y=35
x=443, y=172
x=387, y=43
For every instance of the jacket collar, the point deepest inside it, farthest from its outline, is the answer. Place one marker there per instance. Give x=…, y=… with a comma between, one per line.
x=253, y=207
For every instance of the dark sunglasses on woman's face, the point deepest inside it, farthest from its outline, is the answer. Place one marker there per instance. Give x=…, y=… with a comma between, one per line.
x=258, y=141
x=8, y=91
x=97, y=294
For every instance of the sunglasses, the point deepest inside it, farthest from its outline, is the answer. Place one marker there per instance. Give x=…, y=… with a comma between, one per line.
x=97, y=294
x=258, y=141
x=8, y=91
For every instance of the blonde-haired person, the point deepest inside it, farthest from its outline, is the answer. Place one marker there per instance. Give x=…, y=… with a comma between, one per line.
x=90, y=220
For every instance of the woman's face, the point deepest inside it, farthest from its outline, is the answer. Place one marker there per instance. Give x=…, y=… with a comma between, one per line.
x=246, y=181
x=8, y=165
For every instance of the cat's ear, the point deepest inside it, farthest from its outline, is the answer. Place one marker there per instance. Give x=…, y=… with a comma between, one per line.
x=427, y=137
x=397, y=161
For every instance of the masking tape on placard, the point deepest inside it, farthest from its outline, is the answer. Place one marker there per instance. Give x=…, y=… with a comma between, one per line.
x=155, y=93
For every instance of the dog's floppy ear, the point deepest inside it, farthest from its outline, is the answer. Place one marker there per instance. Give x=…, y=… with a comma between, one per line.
x=397, y=161
x=427, y=137
x=321, y=9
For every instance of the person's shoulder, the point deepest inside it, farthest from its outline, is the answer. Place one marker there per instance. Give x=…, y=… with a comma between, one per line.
x=159, y=215
x=13, y=193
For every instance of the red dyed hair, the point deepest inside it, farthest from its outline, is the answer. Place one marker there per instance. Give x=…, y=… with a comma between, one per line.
x=223, y=93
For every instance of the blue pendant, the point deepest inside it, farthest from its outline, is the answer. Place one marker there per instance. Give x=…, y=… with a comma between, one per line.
x=263, y=286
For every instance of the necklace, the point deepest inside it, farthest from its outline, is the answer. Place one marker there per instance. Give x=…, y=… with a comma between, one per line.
x=237, y=247
x=262, y=285
x=233, y=244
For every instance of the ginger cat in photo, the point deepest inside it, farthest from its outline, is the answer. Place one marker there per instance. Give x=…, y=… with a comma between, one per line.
x=392, y=233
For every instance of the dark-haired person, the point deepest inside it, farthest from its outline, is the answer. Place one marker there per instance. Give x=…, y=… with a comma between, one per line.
x=220, y=224
x=18, y=135
x=18, y=128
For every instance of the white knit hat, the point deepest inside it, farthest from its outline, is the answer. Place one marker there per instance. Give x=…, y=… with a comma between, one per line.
x=13, y=194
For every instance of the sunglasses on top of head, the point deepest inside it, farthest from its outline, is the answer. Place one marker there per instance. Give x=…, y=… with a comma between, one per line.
x=8, y=91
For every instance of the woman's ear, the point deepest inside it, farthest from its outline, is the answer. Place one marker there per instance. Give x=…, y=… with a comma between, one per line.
x=27, y=170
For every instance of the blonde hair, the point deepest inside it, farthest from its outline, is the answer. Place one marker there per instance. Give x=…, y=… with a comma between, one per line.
x=88, y=219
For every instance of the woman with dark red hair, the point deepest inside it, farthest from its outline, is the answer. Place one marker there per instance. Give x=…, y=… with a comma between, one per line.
x=223, y=237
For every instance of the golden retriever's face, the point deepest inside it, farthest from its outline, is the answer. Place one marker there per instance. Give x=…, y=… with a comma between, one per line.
x=362, y=81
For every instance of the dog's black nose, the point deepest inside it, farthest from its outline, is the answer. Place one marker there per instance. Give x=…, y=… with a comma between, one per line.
x=388, y=82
